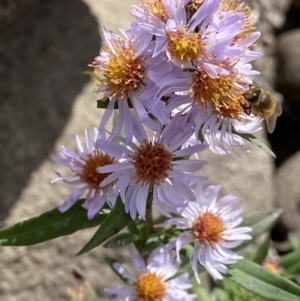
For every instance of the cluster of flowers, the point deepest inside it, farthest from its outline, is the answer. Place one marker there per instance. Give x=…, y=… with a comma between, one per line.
x=180, y=70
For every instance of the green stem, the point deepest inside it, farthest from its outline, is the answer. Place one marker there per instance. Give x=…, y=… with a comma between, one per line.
x=149, y=219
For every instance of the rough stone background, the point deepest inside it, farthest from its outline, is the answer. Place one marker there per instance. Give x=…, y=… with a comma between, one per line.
x=44, y=100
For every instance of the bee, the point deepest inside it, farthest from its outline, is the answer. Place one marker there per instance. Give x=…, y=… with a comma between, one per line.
x=262, y=104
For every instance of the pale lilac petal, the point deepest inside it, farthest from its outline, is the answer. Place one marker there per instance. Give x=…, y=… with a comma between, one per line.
x=72, y=199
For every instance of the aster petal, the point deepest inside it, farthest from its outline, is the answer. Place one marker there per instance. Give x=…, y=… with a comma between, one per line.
x=181, y=223
x=123, y=271
x=133, y=201
x=183, y=239
x=107, y=113
x=137, y=260
x=189, y=165
x=112, y=177
x=72, y=199
x=113, y=148
x=79, y=145
x=142, y=200
x=89, y=141
x=158, y=202
x=191, y=150
x=114, y=167
x=97, y=202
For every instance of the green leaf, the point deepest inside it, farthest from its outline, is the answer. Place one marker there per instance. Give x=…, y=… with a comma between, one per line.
x=262, y=282
x=161, y=219
x=291, y=262
x=103, y=103
x=255, y=141
x=93, y=75
x=294, y=239
x=49, y=225
x=259, y=222
x=113, y=224
x=201, y=293
x=120, y=240
x=221, y=295
x=262, y=251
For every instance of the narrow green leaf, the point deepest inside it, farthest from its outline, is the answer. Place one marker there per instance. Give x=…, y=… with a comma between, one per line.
x=120, y=240
x=294, y=269
x=259, y=222
x=262, y=251
x=113, y=224
x=221, y=295
x=291, y=262
x=111, y=261
x=294, y=239
x=262, y=282
x=93, y=75
x=161, y=219
x=255, y=141
x=201, y=293
x=49, y=225
x=103, y=103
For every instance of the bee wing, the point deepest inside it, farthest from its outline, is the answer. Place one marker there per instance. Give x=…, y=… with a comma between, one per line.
x=278, y=109
x=271, y=123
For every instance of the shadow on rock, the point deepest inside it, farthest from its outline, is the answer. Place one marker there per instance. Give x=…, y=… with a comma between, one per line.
x=42, y=56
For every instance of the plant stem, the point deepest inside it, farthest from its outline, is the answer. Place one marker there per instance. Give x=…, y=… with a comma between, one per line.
x=149, y=218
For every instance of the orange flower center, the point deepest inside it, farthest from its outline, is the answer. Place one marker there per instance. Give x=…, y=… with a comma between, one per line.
x=150, y=287
x=89, y=174
x=208, y=229
x=152, y=163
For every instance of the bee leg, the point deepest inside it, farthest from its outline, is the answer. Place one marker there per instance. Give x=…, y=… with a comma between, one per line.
x=246, y=108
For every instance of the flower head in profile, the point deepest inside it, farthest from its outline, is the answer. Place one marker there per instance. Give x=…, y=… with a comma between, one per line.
x=211, y=225
x=158, y=166
x=153, y=280
x=83, y=166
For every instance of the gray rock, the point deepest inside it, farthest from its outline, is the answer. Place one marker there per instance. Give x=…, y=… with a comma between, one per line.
x=288, y=191
x=288, y=64
x=42, y=56
x=249, y=177
x=10, y=9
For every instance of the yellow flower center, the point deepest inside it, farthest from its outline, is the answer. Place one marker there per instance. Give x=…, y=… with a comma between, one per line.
x=152, y=163
x=122, y=72
x=208, y=229
x=272, y=266
x=89, y=174
x=185, y=46
x=223, y=93
x=150, y=287
x=156, y=8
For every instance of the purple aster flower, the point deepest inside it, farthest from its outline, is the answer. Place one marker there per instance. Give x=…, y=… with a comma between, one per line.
x=159, y=167
x=83, y=166
x=211, y=225
x=179, y=32
x=153, y=280
x=124, y=77
x=211, y=40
